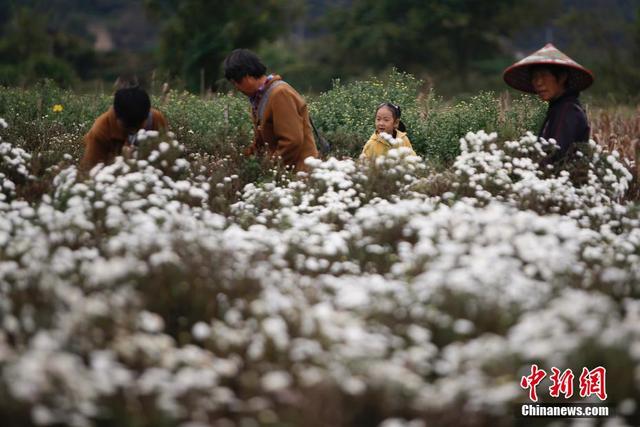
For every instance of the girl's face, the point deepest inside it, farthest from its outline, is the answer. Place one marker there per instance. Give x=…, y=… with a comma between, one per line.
x=385, y=121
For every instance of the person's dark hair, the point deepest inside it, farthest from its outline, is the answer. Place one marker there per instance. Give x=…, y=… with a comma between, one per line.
x=396, y=112
x=556, y=70
x=131, y=105
x=241, y=63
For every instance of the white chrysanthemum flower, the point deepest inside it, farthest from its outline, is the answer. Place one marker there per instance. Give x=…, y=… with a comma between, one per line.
x=390, y=139
x=201, y=331
x=275, y=381
x=150, y=322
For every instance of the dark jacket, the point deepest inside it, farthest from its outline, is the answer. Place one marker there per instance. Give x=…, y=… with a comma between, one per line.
x=566, y=122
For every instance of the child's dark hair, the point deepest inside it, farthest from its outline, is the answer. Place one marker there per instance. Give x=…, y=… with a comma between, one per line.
x=241, y=63
x=396, y=112
x=131, y=105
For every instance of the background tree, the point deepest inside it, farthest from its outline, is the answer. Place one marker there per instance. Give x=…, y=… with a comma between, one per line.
x=608, y=47
x=27, y=51
x=416, y=35
x=196, y=35
x=457, y=46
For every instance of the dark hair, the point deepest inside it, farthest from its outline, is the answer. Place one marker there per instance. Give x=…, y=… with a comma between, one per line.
x=396, y=112
x=556, y=70
x=131, y=105
x=241, y=63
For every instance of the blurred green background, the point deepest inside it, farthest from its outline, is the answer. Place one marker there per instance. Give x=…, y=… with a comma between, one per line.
x=457, y=46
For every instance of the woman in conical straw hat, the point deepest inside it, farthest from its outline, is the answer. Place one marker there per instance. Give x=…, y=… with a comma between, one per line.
x=557, y=79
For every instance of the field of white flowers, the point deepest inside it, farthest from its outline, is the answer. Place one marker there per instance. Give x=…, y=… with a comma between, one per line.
x=160, y=292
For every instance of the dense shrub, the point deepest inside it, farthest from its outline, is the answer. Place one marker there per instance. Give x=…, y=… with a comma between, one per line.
x=13, y=167
x=346, y=115
x=177, y=288
x=346, y=112
x=220, y=125
x=189, y=286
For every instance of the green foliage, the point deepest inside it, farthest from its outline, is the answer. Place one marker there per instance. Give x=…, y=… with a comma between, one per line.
x=35, y=125
x=197, y=34
x=608, y=46
x=448, y=35
x=346, y=112
x=443, y=128
x=116, y=276
x=221, y=125
x=458, y=46
x=43, y=66
x=345, y=115
x=521, y=114
x=33, y=51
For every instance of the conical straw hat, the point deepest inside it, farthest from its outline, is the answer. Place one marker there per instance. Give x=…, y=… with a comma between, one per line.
x=518, y=75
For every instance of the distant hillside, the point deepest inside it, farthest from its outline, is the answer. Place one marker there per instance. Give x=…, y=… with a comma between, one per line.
x=608, y=16
x=110, y=24
x=71, y=41
x=124, y=24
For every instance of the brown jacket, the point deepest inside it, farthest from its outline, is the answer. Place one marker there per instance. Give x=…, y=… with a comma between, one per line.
x=105, y=139
x=286, y=131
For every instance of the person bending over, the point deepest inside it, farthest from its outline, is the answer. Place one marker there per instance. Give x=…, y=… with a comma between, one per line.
x=116, y=129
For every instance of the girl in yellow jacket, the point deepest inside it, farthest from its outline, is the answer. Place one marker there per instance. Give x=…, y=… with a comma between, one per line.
x=390, y=132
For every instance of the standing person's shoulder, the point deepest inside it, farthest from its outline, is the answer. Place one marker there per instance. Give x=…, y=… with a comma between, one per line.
x=578, y=110
x=577, y=105
x=284, y=98
x=283, y=89
x=569, y=110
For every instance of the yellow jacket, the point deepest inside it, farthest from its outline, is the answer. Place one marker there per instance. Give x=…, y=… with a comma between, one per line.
x=378, y=146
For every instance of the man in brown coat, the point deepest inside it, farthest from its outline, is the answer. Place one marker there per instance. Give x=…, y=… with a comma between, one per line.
x=281, y=124
x=117, y=127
